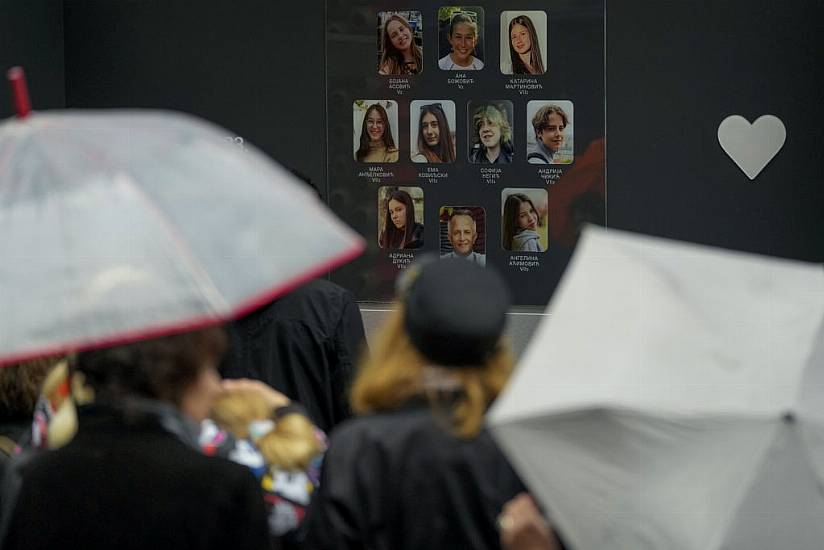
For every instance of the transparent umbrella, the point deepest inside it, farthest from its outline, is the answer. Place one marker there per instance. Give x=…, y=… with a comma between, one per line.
x=674, y=399
x=122, y=225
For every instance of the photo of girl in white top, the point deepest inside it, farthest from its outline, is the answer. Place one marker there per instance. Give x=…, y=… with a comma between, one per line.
x=462, y=36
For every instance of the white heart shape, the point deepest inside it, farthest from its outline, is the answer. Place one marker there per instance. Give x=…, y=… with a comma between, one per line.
x=751, y=146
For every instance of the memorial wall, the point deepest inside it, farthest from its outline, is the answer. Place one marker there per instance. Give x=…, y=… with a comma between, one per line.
x=656, y=96
x=470, y=131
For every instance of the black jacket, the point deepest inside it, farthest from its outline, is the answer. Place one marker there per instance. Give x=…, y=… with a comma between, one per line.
x=305, y=345
x=398, y=480
x=128, y=483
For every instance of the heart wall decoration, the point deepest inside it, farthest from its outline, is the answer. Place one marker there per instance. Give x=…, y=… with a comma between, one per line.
x=751, y=146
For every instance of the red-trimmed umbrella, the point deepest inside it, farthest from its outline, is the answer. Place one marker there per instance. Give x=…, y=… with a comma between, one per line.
x=121, y=225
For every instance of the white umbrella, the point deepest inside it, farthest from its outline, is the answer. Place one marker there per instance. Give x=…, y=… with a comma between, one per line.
x=674, y=399
x=120, y=225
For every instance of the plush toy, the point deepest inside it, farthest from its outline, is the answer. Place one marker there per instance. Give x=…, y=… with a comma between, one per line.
x=287, y=441
x=280, y=445
x=55, y=415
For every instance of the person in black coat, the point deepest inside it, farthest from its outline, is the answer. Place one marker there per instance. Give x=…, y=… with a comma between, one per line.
x=304, y=345
x=416, y=469
x=133, y=476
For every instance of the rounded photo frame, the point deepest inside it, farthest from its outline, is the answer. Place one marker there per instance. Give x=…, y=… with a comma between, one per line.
x=490, y=132
x=550, y=132
x=461, y=38
x=432, y=131
x=400, y=43
x=463, y=233
x=524, y=220
x=400, y=218
x=375, y=136
x=523, y=44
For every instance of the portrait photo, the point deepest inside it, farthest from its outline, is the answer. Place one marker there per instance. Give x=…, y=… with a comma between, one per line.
x=524, y=220
x=490, y=132
x=375, y=130
x=400, y=41
x=549, y=132
x=432, y=130
x=400, y=217
x=460, y=38
x=523, y=42
x=463, y=233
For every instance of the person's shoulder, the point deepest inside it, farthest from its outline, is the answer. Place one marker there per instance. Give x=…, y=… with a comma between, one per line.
x=536, y=157
x=158, y=452
x=507, y=153
x=379, y=426
x=445, y=63
x=418, y=158
x=323, y=288
x=416, y=241
x=477, y=64
x=352, y=437
x=392, y=154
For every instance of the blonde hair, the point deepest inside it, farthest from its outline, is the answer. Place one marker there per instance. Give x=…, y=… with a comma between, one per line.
x=394, y=373
x=392, y=62
x=496, y=115
x=290, y=445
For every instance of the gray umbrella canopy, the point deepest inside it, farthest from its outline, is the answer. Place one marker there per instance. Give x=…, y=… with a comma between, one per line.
x=674, y=399
x=120, y=225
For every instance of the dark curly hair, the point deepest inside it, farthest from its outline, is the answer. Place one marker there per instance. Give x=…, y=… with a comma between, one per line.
x=20, y=386
x=162, y=368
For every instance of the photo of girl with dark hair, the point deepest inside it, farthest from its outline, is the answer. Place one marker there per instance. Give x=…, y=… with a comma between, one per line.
x=433, y=139
x=399, y=226
x=525, y=43
x=462, y=35
x=523, y=225
x=376, y=142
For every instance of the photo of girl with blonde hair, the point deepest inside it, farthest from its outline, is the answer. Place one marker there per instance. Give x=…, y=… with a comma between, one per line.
x=490, y=132
x=399, y=51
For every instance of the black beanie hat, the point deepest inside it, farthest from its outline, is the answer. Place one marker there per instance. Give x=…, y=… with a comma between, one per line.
x=455, y=311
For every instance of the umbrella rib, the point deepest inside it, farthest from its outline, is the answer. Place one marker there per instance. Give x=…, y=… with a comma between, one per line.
x=203, y=282
x=717, y=539
x=578, y=408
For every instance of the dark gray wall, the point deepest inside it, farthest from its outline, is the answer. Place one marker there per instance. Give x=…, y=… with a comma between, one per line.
x=675, y=70
x=31, y=35
x=252, y=66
